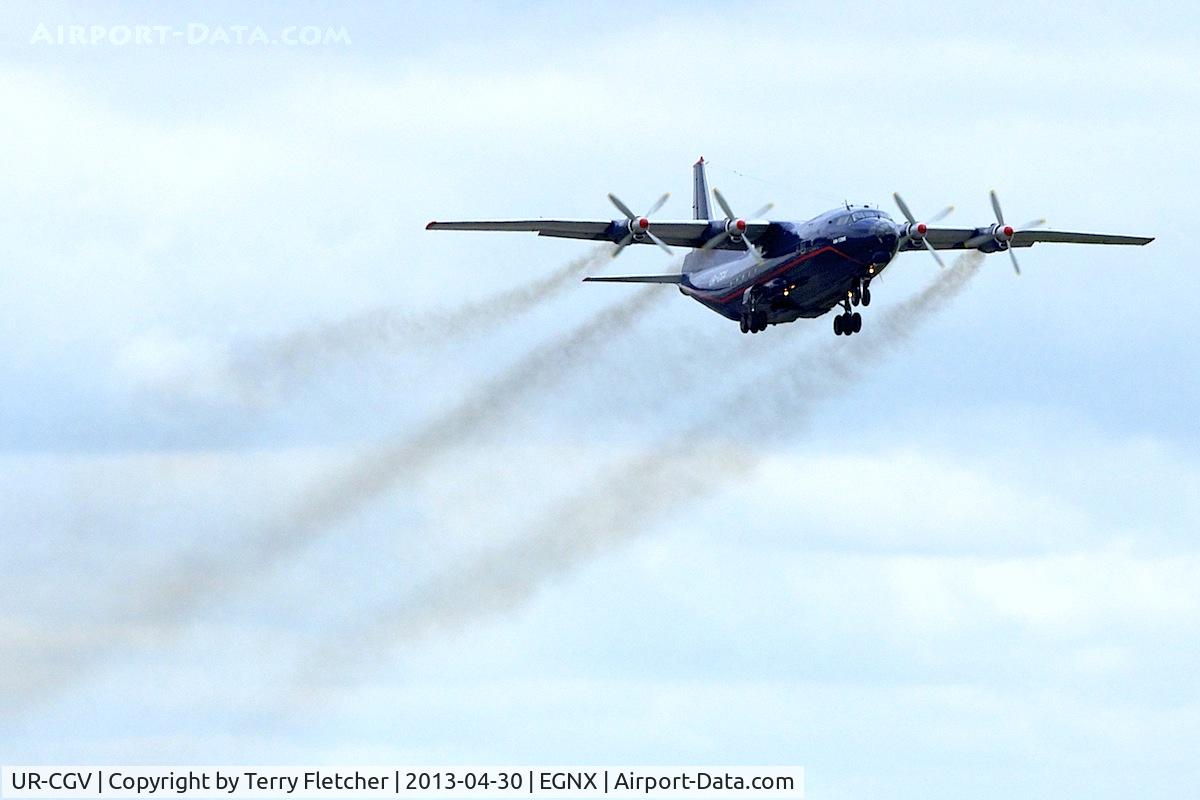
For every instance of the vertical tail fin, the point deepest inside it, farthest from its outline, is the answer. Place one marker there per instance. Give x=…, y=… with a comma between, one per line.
x=700, y=191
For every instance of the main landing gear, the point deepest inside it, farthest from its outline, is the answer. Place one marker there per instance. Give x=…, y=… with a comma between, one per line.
x=754, y=320
x=850, y=322
x=754, y=317
x=846, y=323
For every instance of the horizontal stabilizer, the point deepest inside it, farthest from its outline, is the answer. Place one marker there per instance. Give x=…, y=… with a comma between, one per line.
x=638, y=279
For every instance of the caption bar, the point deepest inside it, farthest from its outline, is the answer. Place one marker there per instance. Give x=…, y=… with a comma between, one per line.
x=478, y=783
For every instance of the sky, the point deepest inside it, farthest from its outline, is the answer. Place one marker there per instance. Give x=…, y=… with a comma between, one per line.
x=289, y=479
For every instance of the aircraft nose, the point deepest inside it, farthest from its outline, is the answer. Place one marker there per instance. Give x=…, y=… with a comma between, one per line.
x=885, y=232
x=879, y=238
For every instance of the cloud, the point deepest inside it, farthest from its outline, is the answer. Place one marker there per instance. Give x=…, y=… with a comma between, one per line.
x=178, y=369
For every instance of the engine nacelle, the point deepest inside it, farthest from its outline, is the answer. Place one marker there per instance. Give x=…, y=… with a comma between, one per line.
x=735, y=227
x=638, y=225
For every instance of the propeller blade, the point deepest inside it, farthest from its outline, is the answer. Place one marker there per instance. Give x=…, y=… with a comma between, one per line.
x=750, y=248
x=621, y=245
x=996, y=208
x=758, y=214
x=650, y=235
x=941, y=215
x=1013, y=256
x=624, y=209
x=1037, y=223
x=657, y=205
x=724, y=206
x=934, y=253
x=716, y=240
x=903, y=208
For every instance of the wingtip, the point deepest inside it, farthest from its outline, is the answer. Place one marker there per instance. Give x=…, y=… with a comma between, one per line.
x=699, y=162
x=429, y=227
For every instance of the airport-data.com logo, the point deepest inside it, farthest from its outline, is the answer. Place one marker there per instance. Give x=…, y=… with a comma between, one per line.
x=196, y=34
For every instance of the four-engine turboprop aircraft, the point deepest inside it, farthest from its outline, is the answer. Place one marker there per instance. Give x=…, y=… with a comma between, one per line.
x=766, y=272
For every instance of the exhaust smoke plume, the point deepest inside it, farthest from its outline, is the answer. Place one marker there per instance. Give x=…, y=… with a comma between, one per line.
x=646, y=488
x=636, y=494
x=303, y=352
x=402, y=459
x=191, y=579
x=181, y=371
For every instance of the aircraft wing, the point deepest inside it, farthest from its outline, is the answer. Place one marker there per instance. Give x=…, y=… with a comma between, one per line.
x=1028, y=238
x=567, y=228
x=694, y=233
x=944, y=239
x=684, y=233
x=972, y=238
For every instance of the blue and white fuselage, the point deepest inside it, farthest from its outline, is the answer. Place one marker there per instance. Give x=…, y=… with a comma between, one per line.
x=807, y=268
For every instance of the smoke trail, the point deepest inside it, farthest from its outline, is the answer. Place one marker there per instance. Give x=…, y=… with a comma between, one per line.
x=642, y=490
x=399, y=460
x=44, y=663
x=629, y=498
x=182, y=371
x=299, y=354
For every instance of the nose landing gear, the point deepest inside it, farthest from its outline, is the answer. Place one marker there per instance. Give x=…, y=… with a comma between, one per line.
x=861, y=294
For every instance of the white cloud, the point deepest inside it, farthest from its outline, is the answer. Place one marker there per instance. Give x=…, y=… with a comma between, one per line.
x=178, y=370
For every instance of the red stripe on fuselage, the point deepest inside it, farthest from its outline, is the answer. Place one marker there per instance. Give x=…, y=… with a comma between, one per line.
x=784, y=267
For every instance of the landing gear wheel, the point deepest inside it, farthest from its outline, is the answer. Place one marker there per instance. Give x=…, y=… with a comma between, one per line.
x=745, y=324
x=866, y=296
x=761, y=317
x=837, y=325
x=855, y=322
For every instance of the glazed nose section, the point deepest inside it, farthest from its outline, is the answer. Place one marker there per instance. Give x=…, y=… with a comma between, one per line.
x=877, y=239
x=886, y=234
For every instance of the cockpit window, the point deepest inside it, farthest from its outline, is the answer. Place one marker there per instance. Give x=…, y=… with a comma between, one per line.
x=857, y=215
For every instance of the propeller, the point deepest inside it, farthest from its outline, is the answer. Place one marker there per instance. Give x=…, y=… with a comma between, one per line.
x=735, y=227
x=1003, y=232
x=639, y=225
x=915, y=231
